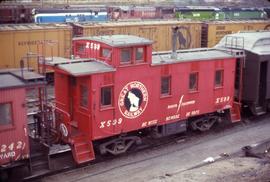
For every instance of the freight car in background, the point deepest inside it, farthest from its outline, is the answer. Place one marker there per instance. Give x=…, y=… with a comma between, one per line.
x=27, y=41
x=70, y=15
x=214, y=31
x=244, y=14
x=256, y=75
x=215, y=13
x=188, y=35
x=198, y=13
x=16, y=14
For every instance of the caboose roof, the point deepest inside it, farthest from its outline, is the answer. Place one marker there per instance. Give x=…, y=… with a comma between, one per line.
x=11, y=78
x=256, y=42
x=200, y=54
x=86, y=68
x=79, y=66
x=8, y=80
x=118, y=40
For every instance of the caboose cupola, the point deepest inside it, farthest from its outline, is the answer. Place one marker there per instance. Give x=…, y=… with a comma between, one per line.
x=115, y=50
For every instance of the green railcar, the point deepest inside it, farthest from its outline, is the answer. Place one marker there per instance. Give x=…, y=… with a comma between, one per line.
x=199, y=15
x=203, y=14
x=244, y=14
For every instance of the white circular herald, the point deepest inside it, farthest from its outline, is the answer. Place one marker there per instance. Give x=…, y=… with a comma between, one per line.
x=63, y=129
x=133, y=100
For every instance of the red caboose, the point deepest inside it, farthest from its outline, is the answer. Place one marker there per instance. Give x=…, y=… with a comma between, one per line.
x=118, y=88
x=14, y=143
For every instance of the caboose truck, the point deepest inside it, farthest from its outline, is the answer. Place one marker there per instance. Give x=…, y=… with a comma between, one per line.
x=118, y=89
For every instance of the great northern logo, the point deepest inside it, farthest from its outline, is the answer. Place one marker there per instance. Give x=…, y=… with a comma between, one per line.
x=133, y=99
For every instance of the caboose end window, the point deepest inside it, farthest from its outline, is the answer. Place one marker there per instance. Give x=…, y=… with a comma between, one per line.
x=193, y=82
x=165, y=85
x=106, y=96
x=5, y=114
x=83, y=96
x=126, y=56
x=219, y=78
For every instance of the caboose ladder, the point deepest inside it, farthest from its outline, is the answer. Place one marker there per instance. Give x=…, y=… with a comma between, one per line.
x=82, y=149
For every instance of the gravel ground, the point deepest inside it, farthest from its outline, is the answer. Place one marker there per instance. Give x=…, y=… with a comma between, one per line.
x=171, y=163
x=238, y=169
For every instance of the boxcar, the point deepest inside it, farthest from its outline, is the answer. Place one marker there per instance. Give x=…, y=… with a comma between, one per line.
x=189, y=33
x=121, y=88
x=15, y=14
x=256, y=75
x=29, y=40
x=213, y=32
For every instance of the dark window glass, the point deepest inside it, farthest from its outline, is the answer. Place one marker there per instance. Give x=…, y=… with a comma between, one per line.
x=125, y=55
x=80, y=48
x=84, y=96
x=106, y=53
x=219, y=78
x=106, y=96
x=139, y=54
x=165, y=85
x=193, y=81
x=5, y=114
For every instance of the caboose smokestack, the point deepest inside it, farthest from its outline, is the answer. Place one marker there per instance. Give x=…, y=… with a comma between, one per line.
x=174, y=38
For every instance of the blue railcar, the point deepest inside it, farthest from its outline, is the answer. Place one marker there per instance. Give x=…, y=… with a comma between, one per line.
x=67, y=16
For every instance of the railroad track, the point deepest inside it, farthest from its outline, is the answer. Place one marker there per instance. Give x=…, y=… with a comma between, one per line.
x=186, y=140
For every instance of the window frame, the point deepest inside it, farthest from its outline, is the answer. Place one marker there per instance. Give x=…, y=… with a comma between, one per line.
x=81, y=96
x=222, y=79
x=106, y=57
x=169, y=93
x=137, y=61
x=196, y=89
x=108, y=106
x=131, y=56
x=10, y=125
x=83, y=44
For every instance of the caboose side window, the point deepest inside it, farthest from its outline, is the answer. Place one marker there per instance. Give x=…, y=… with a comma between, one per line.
x=193, y=81
x=139, y=53
x=106, y=96
x=80, y=48
x=126, y=55
x=105, y=53
x=165, y=85
x=83, y=96
x=5, y=113
x=219, y=78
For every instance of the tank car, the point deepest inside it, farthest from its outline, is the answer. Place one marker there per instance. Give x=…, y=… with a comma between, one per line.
x=117, y=89
x=256, y=79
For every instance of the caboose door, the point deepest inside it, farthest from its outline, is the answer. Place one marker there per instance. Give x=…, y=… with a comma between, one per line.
x=263, y=83
x=79, y=103
x=72, y=101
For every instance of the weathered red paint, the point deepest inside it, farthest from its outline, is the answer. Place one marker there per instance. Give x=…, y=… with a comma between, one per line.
x=14, y=144
x=98, y=122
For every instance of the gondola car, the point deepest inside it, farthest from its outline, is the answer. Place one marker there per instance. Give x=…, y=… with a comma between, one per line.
x=117, y=89
x=256, y=74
